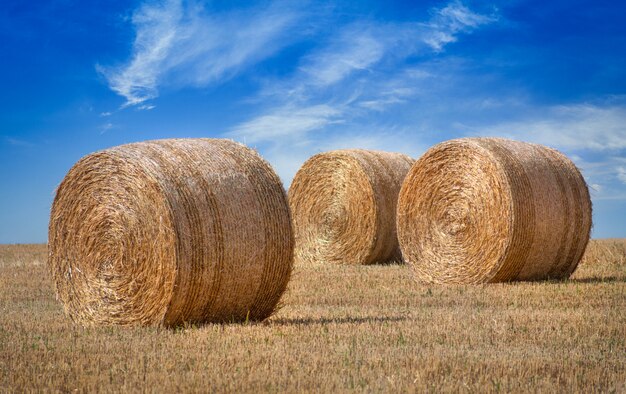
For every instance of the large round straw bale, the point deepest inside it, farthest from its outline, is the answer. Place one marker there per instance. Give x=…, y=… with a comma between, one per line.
x=169, y=232
x=343, y=205
x=477, y=210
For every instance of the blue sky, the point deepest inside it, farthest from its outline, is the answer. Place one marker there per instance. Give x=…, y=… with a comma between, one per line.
x=295, y=78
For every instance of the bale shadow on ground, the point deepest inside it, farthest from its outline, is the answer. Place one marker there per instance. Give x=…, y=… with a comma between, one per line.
x=340, y=320
x=605, y=279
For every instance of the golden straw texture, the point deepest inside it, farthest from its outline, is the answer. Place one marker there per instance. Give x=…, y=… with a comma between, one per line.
x=169, y=232
x=343, y=205
x=478, y=210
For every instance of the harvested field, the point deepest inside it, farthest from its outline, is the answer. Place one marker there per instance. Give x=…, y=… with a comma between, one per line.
x=342, y=327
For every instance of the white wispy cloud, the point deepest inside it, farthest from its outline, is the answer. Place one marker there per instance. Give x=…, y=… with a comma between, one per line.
x=357, y=70
x=106, y=127
x=571, y=127
x=18, y=142
x=621, y=174
x=606, y=177
x=369, y=49
x=379, y=94
x=182, y=44
x=380, y=104
x=366, y=46
x=449, y=21
x=156, y=26
x=146, y=107
x=356, y=48
x=291, y=122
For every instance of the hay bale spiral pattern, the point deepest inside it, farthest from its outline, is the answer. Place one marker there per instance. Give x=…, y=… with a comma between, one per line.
x=343, y=204
x=477, y=210
x=169, y=232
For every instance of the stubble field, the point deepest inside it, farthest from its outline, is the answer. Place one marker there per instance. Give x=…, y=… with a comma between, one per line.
x=342, y=328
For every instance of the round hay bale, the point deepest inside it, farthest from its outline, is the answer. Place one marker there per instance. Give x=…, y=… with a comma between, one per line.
x=477, y=210
x=343, y=205
x=169, y=232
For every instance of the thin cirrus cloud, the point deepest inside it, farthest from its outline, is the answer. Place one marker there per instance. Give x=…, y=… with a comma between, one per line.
x=606, y=176
x=288, y=121
x=621, y=174
x=181, y=44
x=356, y=49
x=449, y=21
x=359, y=70
x=367, y=47
x=571, y=127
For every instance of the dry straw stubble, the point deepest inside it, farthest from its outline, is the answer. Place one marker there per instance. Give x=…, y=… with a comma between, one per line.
x=343, y=205
x=170, y=232
x=477, y=210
